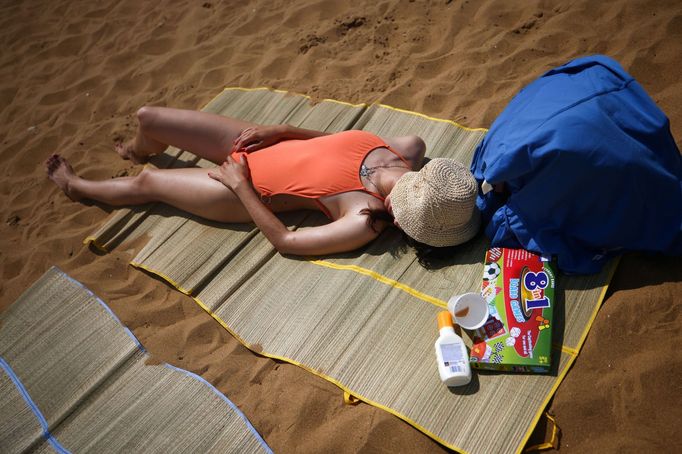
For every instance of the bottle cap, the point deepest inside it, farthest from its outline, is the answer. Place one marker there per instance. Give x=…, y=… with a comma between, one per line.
x=445, y=319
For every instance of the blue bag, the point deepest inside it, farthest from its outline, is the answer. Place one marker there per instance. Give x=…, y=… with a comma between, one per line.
x=589, y=165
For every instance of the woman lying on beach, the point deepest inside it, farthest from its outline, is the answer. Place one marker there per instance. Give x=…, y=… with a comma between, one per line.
x=362, y=182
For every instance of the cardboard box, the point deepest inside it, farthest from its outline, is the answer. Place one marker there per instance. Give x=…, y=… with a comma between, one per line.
x=519, y=288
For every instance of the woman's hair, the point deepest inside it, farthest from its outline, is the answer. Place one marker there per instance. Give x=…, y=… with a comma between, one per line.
x=428, y=256
x=374, y=215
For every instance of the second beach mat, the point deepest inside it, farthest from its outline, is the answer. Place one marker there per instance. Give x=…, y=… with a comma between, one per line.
x=73, y=379
x=366, y=320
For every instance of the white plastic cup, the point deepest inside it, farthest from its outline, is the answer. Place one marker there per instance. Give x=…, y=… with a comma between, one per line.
x=470, y=310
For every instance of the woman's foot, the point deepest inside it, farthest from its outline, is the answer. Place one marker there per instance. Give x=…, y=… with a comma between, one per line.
x=62, y=174
x=127, y=151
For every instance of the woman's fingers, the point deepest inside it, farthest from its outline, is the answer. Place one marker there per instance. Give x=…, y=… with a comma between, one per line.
x=242, y=132
x=244, y=140
x=240, y=138
x=253, y=146
x=250, y=139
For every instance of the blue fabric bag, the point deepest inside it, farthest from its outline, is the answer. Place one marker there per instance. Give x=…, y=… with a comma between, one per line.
x=590, y=168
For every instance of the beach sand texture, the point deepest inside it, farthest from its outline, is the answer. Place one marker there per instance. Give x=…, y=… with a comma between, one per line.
x=74, y=73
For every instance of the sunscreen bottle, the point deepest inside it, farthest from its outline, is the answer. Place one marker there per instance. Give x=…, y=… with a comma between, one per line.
x=451, y=353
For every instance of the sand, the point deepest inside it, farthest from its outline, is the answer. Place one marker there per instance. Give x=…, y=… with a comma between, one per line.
x=75, y=72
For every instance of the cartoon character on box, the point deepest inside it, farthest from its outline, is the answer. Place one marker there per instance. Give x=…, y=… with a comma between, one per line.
x=525, y=300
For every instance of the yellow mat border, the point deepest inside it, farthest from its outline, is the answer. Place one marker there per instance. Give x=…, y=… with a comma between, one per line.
x=384, y=280
x=349, y=395
x=397, y=109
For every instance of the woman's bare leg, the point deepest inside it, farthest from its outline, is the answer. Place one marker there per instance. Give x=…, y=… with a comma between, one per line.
x=191, y=190
x=207, y=135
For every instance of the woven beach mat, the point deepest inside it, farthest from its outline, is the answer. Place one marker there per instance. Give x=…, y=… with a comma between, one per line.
x=73, y=379
x=364, y=320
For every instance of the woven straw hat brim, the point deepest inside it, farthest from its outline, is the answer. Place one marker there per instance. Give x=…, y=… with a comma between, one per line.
x=456, y=236
x=399, y=202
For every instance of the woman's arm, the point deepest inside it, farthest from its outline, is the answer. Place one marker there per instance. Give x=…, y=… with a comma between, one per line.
x=255, y=138
x=345, y=234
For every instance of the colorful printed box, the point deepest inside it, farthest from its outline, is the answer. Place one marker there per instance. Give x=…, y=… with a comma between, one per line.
x=519, y=288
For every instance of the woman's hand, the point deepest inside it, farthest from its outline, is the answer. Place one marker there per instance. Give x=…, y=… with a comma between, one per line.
x=232, y=174
x=257, y=137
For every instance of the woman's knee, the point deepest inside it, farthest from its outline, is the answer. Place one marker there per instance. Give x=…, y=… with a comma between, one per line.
x=146, y=115
x=144, y=181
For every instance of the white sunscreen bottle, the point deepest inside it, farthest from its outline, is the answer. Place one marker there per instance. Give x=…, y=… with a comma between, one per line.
x=451, y=353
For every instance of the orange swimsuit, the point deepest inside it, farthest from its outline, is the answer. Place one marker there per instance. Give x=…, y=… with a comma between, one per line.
x=314, y=168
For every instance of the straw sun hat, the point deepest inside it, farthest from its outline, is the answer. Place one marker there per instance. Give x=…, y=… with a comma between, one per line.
x=437, y=205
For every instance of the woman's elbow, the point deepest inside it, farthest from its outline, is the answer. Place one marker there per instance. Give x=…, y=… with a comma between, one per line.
x=284, y=250
x=286, y=244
